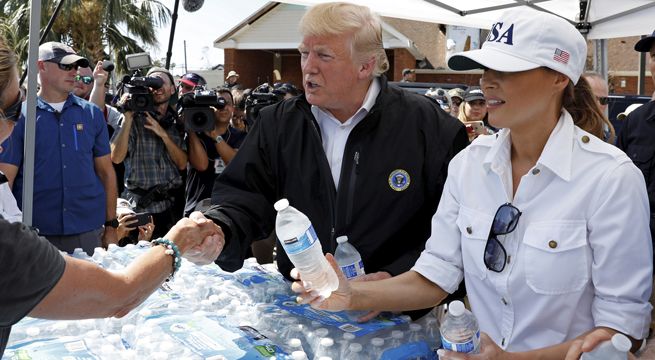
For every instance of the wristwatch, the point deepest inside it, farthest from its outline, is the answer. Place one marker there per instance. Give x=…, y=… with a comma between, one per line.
x=218, y=139
x=112, y=223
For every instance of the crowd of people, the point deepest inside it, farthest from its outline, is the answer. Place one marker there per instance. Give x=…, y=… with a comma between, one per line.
x=545, y=226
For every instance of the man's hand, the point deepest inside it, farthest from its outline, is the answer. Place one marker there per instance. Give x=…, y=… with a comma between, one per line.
x=153, y=125
x=100, y=76
x=210, y=247
x=380, y=275
x=109, y=237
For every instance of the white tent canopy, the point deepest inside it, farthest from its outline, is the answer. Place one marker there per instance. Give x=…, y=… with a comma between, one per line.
x=606, y=18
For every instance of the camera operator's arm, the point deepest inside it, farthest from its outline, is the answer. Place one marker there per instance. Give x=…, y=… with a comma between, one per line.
x=197, y=153
x=100, y=77
x=176, y=153
x=226, y=152
x=120, y=140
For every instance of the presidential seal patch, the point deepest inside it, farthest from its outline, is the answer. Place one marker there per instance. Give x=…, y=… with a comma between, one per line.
x=399, y=180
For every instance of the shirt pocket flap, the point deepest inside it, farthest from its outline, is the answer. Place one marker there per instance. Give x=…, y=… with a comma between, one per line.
x=556, y=236
x=474, y=224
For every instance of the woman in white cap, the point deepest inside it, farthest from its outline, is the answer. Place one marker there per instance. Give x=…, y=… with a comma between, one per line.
x=547, y=223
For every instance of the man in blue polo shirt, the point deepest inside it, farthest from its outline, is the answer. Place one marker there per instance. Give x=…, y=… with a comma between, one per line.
x=74, y=181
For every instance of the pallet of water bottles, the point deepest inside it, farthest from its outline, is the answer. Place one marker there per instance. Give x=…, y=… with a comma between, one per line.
x=206, y=313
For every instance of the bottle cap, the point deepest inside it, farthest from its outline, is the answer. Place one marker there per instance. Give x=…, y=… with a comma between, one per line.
x=415, y=327
x=348, y=336
x=342, y=239
x=281, y=204
x=397, y=334
x=456, y=308
x=299, y=355
x=294, y=343
x=621, y=342
x=355, y=347
x=377, y=341
x=327, y=342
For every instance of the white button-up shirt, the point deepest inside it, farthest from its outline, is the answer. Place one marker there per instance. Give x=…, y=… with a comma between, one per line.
x=335, y=133
x=580, y=256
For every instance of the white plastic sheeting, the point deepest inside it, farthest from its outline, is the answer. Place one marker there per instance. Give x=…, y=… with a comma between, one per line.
x=608, y=18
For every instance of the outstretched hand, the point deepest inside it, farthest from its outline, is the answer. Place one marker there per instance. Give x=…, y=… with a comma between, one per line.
x=340, y=299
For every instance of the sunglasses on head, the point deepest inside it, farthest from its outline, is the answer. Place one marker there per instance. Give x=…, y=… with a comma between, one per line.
x=65, y=67
x=603, y=100
x=505, y=221
x=85, y=79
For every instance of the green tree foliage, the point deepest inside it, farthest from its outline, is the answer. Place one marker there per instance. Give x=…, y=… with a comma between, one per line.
x=97, y=29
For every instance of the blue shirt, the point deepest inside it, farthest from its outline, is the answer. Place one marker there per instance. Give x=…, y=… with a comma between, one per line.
x=69, y=198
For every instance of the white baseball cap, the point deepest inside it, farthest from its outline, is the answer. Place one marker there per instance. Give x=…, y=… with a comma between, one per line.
x=525, y=39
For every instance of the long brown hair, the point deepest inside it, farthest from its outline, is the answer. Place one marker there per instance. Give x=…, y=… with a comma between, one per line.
x=8, y=61
x=580, y=102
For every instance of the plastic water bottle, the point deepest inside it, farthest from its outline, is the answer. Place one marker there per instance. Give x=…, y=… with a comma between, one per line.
x=615, y=349
x=348, y=259
x=460, y=331
x=301, y=244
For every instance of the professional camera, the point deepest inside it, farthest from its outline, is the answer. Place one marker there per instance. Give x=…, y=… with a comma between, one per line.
x=139, y=87
x=263, y=95
x=196, y=108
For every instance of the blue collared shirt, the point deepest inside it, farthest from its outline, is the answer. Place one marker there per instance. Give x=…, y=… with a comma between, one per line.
x=68, y=195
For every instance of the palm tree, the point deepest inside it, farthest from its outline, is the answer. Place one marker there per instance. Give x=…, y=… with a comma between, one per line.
x=97, y=29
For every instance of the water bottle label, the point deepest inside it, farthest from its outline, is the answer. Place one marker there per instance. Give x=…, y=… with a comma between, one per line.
x=353, y=270
x=465, y=347
x=301, y=243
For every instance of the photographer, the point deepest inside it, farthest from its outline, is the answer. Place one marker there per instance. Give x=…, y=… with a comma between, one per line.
x=210, y=152
x=153, y=151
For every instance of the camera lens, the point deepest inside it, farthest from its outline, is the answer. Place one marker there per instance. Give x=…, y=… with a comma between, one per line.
x=199, y=119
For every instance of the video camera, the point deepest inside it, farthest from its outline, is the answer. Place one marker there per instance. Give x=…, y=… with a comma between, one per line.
x=139, y=87
x=263, y=95
x=196, y=108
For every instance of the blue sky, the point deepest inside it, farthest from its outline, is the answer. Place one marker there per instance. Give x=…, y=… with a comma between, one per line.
x=200, y=29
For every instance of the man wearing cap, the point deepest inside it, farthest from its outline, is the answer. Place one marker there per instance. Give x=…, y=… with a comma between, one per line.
x=231, y=80
x=637, y=136
x=74, y=181
x=409, y=75
x=189, y=82
x=152, y=146
x=456, y=98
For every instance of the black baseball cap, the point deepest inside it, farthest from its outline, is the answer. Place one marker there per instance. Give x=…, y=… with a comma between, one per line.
x=646, y=43
x=473, y=93
x=60, y=53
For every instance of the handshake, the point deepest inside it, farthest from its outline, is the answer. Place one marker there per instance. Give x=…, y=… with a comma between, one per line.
x=198, y=238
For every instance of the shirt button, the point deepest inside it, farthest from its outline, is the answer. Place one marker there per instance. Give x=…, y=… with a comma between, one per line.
x=535, y=171
x=469, y=230
x=585, y=139
x=552, y=244
x=64, y=209
x=64, y=166
x=63, y=145
x=61, y=124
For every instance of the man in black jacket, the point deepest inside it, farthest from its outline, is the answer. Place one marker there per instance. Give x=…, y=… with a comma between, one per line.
x=358, y=157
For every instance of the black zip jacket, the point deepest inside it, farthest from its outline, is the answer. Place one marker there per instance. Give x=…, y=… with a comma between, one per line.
x=283, y=157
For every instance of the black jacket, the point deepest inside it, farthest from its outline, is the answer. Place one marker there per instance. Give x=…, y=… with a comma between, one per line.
x=283, y=157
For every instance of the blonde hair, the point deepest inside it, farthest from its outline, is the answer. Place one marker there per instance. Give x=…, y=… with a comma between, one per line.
x=340, y=18
x=8, y=61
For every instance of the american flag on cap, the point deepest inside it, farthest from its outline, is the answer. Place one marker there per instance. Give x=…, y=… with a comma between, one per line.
x=561, y=56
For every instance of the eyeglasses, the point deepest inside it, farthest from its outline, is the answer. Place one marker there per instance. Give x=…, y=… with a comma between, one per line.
x=85, y=79
x=505, y=221
x=65, y=67
x=603, y=100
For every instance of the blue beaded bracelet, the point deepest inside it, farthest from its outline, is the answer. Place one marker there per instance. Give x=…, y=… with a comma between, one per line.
x=171, y=249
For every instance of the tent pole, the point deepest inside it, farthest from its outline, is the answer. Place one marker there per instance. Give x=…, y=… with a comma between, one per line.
x=30, y=117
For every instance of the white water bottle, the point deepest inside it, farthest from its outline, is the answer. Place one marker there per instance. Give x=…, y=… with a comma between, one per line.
x=615, y=349
x=348, y=259
x=460, y=331
x=301, y=244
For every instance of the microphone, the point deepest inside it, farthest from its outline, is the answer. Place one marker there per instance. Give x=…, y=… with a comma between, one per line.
x=107, y=65
x=192, y=5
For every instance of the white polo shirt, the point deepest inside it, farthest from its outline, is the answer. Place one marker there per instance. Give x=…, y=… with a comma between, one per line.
x=580, y=257
x=335, y=134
